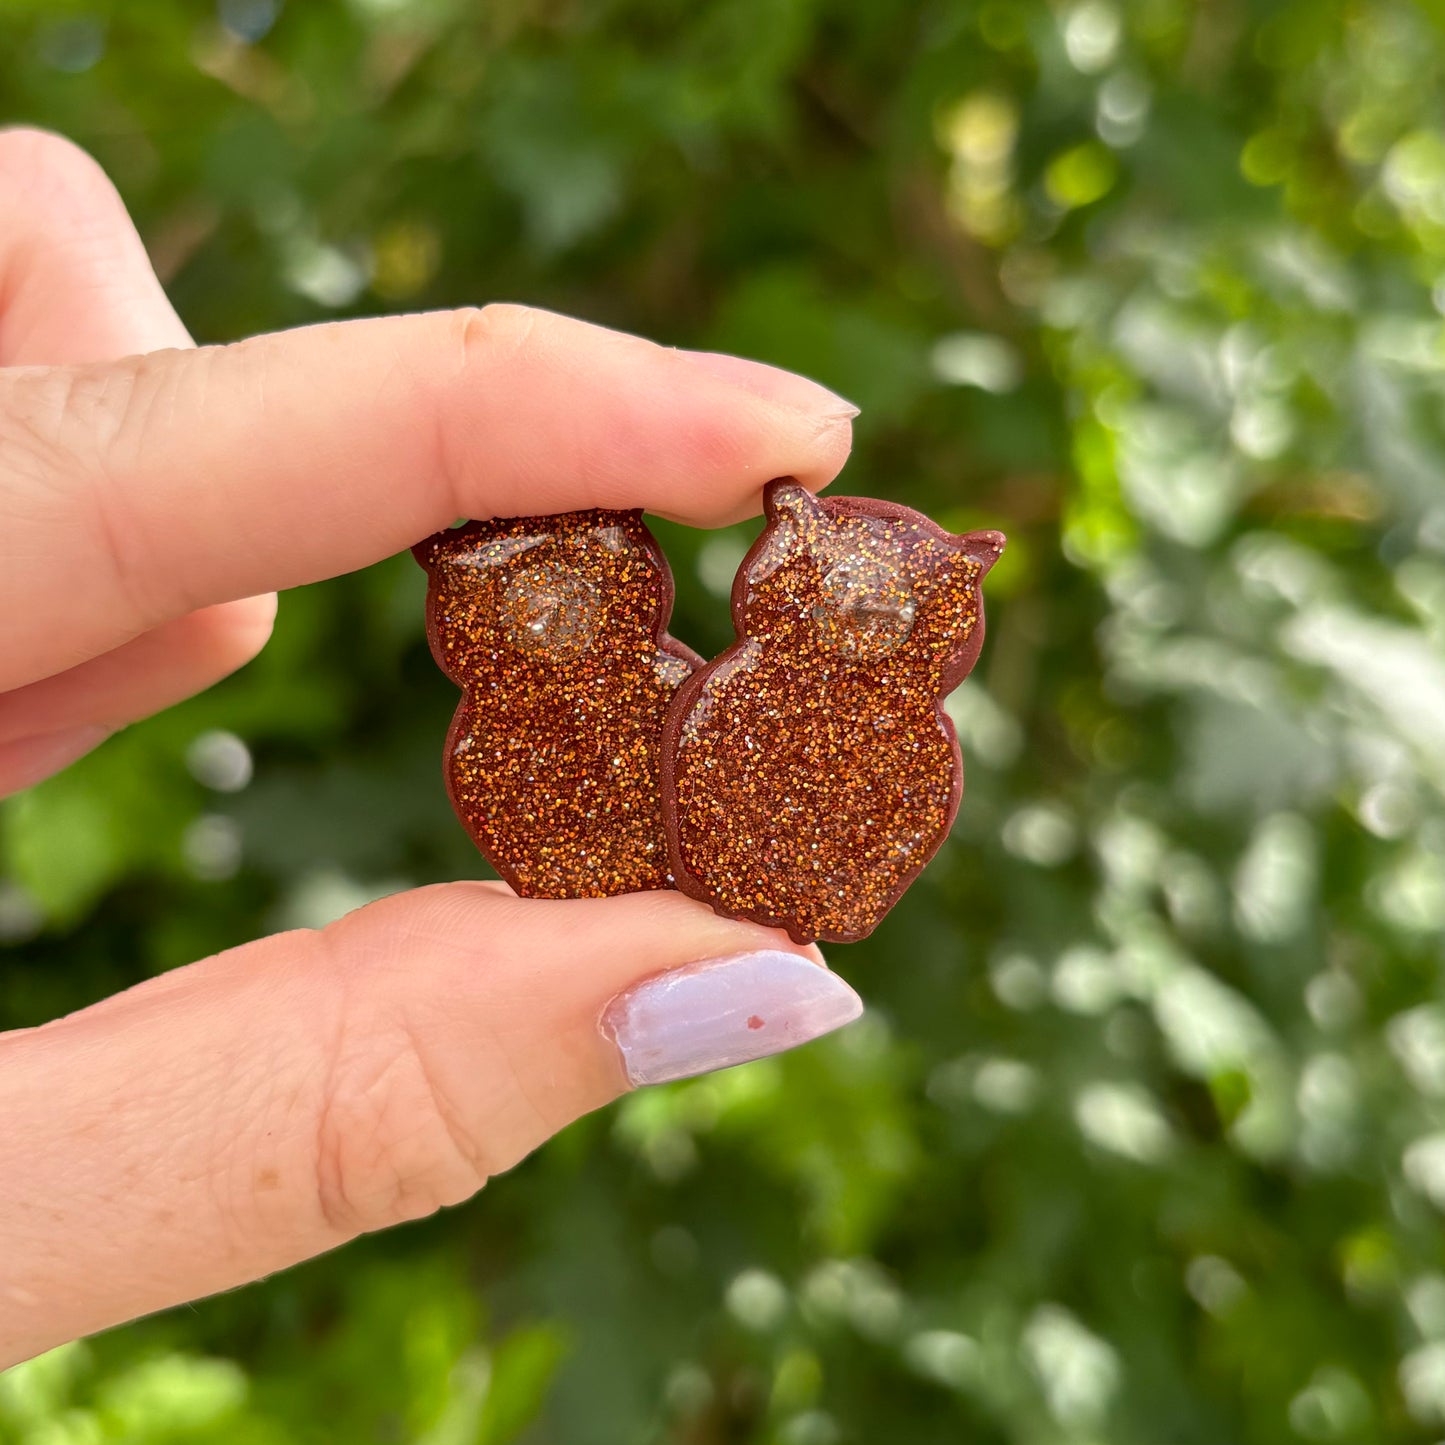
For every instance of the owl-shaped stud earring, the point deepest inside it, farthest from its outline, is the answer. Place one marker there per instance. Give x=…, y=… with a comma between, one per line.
x=554, y=629
x=810, y=772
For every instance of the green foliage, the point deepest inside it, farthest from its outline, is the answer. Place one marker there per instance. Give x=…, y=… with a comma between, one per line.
x=406, y=1358
x=1143, y=1138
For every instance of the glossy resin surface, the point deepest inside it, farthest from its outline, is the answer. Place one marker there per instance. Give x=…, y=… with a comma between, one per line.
x=810, y=772
x=554, y=629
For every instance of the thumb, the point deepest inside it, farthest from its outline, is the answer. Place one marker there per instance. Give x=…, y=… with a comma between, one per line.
x=249, y=1111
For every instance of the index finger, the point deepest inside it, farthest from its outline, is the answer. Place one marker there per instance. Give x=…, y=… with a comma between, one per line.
x=145, y=489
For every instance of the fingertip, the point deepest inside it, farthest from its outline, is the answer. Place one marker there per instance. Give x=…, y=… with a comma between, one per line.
x=775, y=384
x=150, y=672
x=835, y=445
x=250, y=619
x=749, y=424
x=231, y=634
x=24, y=762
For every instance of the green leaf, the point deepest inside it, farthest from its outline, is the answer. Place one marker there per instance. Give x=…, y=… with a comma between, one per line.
x=522, y=1369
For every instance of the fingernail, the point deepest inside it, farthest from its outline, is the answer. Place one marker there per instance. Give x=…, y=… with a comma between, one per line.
x=27, y=761
x=725, y=1011
x=774, y=384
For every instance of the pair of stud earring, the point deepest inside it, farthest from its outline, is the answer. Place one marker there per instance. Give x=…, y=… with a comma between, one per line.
x=801, y=779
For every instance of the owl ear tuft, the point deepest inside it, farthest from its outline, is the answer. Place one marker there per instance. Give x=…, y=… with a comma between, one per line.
x=787, y=498
x=792, y=513
x=984, y=547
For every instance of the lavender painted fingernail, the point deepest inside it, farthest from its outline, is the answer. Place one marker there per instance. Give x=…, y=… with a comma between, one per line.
x=725, y=1011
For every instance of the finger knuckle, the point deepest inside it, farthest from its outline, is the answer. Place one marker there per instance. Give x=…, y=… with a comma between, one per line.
x=100, y=420
x=48, y=486
x=390, y=1144
x=34, y=455
x=487, y=335
x=479, y=340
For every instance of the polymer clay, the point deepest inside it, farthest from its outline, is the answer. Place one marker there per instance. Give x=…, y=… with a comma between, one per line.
x=810, y=772
x=554, y=629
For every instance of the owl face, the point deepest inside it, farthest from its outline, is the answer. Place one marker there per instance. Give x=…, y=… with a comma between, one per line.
x=861, y=582
x=545, y=597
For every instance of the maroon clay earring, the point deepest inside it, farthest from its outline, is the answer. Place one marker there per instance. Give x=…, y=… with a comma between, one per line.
x=810, y=772
x=554, y=629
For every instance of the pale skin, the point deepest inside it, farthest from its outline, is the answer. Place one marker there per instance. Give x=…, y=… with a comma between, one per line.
x=269, y=1103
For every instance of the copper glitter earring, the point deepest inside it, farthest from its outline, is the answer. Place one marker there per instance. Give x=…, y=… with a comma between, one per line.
x=810, y=772
x=554, y=629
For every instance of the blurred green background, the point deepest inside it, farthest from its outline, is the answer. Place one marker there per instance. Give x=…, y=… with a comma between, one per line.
x=1143, y=1139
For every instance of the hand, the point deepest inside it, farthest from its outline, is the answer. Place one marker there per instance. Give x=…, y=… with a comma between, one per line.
x=242, y=1113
